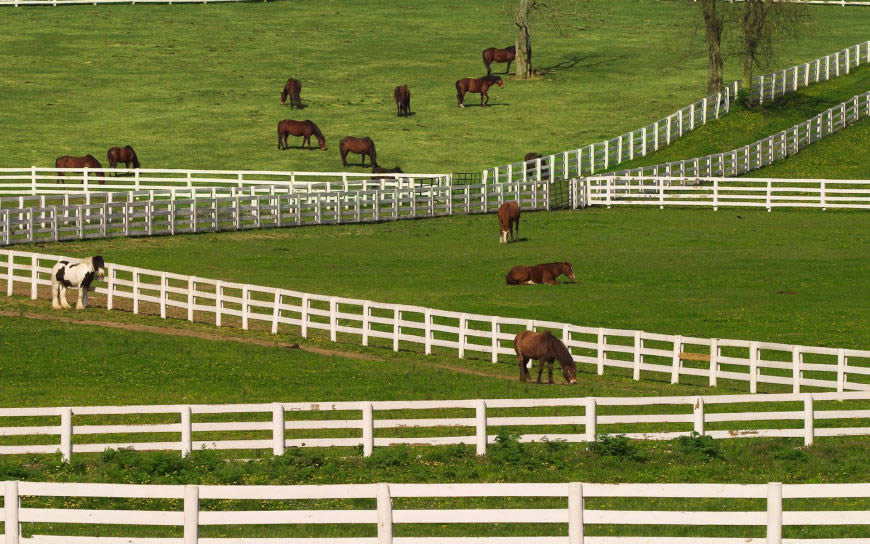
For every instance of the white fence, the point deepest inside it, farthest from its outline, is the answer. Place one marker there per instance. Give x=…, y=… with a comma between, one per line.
x=430, y=423
x=36, y=180
x=765, y=193
x=763, y=152
x=227, y=303
x=542, y=507
x=93, y=215
x=602, y=156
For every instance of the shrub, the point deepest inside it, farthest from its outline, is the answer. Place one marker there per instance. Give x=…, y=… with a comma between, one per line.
x=696, y=444
x=613, y=445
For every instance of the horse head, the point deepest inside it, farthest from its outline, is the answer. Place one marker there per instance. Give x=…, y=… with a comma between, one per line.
x=566, y=361
x=99, y=266
x=284, y=95
x=568, y=270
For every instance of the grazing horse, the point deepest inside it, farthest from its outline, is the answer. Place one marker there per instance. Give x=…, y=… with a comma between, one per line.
x=403, y=100
x=122, y=154
x=531, y=156
x=508, y=216
x=479, y=85
x=304, y=128
x=292, y=89
x=494, y=54
x=363, y=146
x=67, y=161
x=546, y=348
x=540, y=273
x=77, y=276
x=380, y=170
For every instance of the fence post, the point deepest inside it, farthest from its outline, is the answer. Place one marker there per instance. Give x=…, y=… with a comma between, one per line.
x=191, y=514
x=601, y=354
x=10, y=276
x=10, y=511
x=66, y=430
x=110, y=287
x=427, y=331
x=303, y=316
x=841, y=370
x=277, y=428
x=753, y=367
x=714, y=361
x=461, y=336
x=186, y=432
x=163, y=295
x=698, y=410
x=368, y=429
x=385, y=515
x=135, y=290
x=638, y=357
x=675, y=359
x=822, y=199
x=276, y=311
x=333, y=305
x=397, y=329
x=809, y=420
x=796, y=360
x=774, y=513
x=575, y=513
x=591, y=419
x=494, y=332
x=218, y=302
x=34, y=275
x=365, y=323
x=480, y=416
x=191, y=288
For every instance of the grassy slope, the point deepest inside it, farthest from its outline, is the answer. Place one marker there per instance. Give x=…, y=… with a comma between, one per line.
x=194, y=86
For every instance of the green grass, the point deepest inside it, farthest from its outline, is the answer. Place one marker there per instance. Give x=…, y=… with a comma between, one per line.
x=193, y=86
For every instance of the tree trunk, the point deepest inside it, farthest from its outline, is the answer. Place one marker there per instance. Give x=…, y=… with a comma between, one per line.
x=524, y=40
x=713, y=24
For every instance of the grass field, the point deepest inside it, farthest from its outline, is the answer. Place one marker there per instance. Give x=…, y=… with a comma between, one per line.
x=197, y=86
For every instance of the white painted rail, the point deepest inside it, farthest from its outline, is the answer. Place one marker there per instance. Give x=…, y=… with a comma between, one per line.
x=225, y=303
x=583, y=510
x=476, y=422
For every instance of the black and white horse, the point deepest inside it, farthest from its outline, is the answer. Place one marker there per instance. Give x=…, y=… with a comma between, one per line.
x=78, y=276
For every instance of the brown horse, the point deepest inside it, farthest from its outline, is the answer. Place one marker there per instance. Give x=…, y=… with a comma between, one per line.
x=508, y=216
x=363, y=146
x=380, y=170
x=88, y=161
x=479, y=85
x=306, y=128
x=403, y=100
x=494, y=54
x=122, y=154
x=292, y=89
x=546, y=348
x=540, y=273
x=531, y=156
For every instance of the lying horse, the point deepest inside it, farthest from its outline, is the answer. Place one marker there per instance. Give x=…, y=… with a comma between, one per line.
x=305, y=128
x=88, y=161
x=363, y=146
x=508, y=216
x=78, y=276
x=494, y=54
x=292, y=89
x=122, y=154
x=546, y=348
x=479, y=85
x=540, y=273
x=403, y=100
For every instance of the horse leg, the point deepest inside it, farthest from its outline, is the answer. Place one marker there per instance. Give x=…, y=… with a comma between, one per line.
x=80, y=302
x=461, y=97
x=83, y=297
x=524, y=373
x=549, y=279
x=508, y=68
x=55, y=287
x=540, y=369
x=344, y=158
x=550, y=370
x=63, y=301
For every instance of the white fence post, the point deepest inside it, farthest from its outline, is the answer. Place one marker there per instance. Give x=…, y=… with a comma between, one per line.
x=191, y=289
x=774, y=513
x=163, y=295
x=480, y=427
x=494, y=331
x=385, y=515
x=368, y=429
x=66, y=430
x=714, y=361
x=591, y=419
x=698, y=411
x=186, y=432
x=638, y=356
x=841, y=370
x=191, y=514
x=675, y=359
x=796, y=360
x=427, y=331
x=397, y=329
x=10, y=511
x=34, y=277
x=809, y=420
x=333, y=320
x=575, y=513
x=277, y=428
x=462, y=325
x=601, y=353
x=753, y=367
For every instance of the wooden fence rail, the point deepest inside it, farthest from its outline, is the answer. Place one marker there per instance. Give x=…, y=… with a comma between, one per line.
x=602, y=156
x=282, y=425
x=583, y=509
x=180, y=296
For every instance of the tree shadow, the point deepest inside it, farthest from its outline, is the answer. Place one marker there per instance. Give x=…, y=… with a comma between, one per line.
x=573, y=61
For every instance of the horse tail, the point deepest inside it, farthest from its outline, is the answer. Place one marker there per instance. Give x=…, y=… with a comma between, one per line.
x=485, y=61
x=373, y=154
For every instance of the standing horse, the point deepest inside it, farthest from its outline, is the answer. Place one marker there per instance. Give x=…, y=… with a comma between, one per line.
x=540, y=273
x=88, y=161
x=546, y=348
x=479, y=85
x=531, y=156
x=494, y=54
x=125, y=155
x=403, y=100
x=508, y=216
x=292, y=89
x=306, y=128
x=380, y=170
x=363, y=146
x=77, y=276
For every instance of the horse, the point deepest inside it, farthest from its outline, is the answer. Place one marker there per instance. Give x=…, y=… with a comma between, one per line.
x=479, y=85
x=546, y=348
x=403, y=100
x=363, y=146
x=531, y=156
x=292, y=89
x=508, y=216
x=540, y=273
x=88, y=161
x=122, y=154
x=304, y=128
x=77, y=276
x=494, y=54
x=381, y=170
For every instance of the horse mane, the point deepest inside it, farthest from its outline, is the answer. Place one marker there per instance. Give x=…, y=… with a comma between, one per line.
x=559, y=350
x=316, y=130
